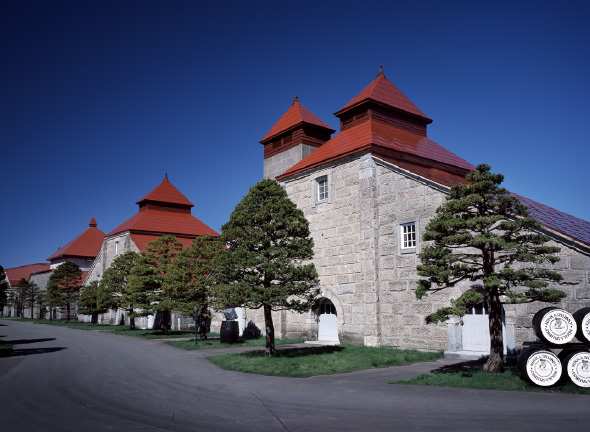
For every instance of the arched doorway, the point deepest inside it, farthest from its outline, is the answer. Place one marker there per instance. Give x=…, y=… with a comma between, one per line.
x=327, y=321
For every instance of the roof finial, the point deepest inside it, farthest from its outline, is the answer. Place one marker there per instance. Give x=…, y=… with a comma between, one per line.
x=165, y=175
x=381, y=70
x=295, y=100
x=92, y=222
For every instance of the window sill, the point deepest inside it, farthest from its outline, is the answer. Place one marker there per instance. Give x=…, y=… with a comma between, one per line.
x=408, y=251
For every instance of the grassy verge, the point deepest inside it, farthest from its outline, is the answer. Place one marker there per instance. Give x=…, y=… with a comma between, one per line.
x=211, y=344
x=477, y=379
x=306, y=362
x=120, y=330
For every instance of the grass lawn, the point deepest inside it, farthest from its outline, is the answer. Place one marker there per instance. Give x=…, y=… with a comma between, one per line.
x=473, y=377
x=210, y=344
x=120, y=330
x=306, y=362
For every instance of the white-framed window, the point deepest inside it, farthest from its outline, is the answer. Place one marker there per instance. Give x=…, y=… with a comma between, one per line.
x=408, y=235
x=117, y=247
x=322, y=193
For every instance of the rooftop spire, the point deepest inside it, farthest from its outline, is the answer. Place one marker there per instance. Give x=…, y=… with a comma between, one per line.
x=92, y=222
x=381, y=71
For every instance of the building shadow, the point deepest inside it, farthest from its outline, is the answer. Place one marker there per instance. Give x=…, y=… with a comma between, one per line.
x=27, y=341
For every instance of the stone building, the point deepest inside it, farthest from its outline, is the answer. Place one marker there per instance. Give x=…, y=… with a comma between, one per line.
x=368, y=193
x=163, y=211
x=15, y=277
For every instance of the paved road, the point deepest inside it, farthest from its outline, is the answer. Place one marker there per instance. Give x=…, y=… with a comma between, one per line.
x=90, y=381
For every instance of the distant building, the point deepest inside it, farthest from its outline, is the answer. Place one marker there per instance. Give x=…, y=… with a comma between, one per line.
x=15, y=277
x=368, y=193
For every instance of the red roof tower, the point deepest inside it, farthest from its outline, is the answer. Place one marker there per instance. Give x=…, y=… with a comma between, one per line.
x=298, y=129
x=85, y=246
x=383, y=121
x=163, y=211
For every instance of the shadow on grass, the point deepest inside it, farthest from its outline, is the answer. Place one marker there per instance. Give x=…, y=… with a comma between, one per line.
x=27, y=341
x=298, y=352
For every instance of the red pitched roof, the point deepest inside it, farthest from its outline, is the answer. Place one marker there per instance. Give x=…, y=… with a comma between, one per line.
x=385, y=92
x=159, y=218
x=163, y=221
x=166, y=193
x=16, y=274
x=86, y=245
x=142, y=240
x=372, y=134
x=296, y=114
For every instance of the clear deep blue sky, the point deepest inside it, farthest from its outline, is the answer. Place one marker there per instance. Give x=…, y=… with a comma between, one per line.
x=98, y=102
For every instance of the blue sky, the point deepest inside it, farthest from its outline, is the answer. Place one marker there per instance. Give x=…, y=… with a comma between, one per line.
x=99, y=101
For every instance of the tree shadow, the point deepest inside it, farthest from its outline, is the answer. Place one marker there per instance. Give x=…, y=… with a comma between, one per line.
x=300, y=352
x=29, y=351
x=27, y=341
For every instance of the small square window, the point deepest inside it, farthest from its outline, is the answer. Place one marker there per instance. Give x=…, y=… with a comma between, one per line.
x=408, y=235
x=322, y=188
x=116, y=248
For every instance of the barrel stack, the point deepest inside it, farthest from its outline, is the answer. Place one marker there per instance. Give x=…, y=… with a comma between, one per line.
x=556, y=356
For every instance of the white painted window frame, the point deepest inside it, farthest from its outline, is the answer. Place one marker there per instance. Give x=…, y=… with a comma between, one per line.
x=315, y=187
x=404, y=236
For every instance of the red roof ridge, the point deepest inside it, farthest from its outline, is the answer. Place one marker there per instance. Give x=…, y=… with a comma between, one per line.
x=166, y=193
x=296, y=115
x=86, y=245
x=383, y=91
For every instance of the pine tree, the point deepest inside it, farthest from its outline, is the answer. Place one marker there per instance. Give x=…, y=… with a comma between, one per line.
x=96, y=298
x=116, y=282
x=190, y=280
x=267, y=263
x=64, y=286
x=3, y=290
x=32, y=295
x=483, y=235
x=151, y=271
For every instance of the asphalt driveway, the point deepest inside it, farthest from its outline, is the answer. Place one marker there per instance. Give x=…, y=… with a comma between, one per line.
x=70, y=380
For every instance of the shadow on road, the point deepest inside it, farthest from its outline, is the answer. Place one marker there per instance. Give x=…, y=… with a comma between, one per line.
x=27, y=341
x=29, y=351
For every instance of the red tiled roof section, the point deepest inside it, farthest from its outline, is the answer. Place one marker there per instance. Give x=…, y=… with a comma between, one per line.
x=166, y=193
x=384, y=91
x=16, y=274
x=295, y=115
x=372, y=134
x=86, y=245
x=143, y=240
x=163, y=221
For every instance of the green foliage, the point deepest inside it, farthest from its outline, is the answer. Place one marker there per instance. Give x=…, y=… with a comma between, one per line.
x=267, y=264
x=189, y=282
x=3, y=289
x=152, y=270
x=64, y=286
x=115, y=283
x=482, y=235
x=96, y=298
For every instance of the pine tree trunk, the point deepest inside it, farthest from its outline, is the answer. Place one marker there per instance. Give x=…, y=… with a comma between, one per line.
x=131, y=318
x=495, y=362
x=94, y=319
x=68, y=311
x=270, y=331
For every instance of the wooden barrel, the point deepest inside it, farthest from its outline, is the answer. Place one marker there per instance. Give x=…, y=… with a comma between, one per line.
x=576, y=364
x=555, y=326
x=540, y=367
x=230, y=332
x=582, y=318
